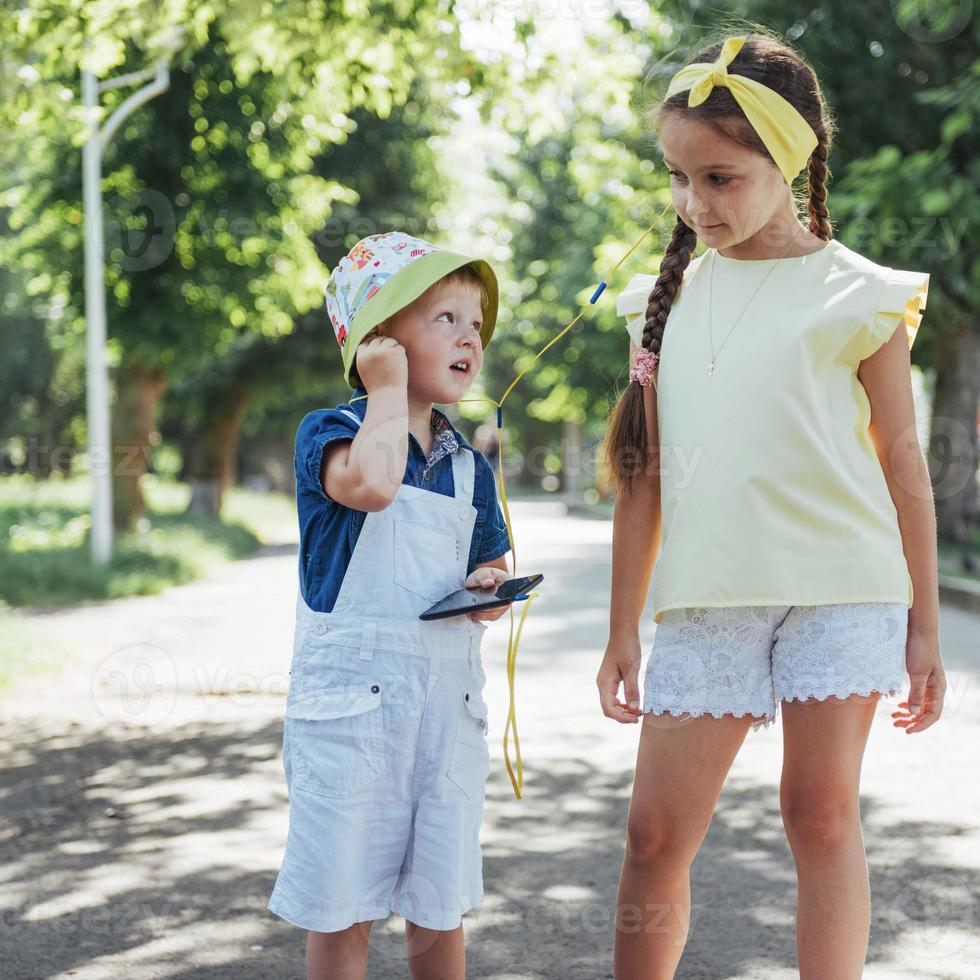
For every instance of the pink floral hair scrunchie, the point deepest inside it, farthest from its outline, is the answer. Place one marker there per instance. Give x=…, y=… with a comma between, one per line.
x=644, y=362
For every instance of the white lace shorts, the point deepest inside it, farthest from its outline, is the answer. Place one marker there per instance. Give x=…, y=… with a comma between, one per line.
x=746, y=659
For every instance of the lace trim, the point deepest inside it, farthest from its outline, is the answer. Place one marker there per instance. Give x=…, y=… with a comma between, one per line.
x=842, y=693
x=762, y=723
x=721, y=713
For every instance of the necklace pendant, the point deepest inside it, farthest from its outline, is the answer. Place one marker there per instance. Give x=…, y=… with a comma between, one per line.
x=711, y=367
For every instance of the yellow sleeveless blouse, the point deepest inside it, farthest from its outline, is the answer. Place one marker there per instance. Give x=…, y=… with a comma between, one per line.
x=771, y=490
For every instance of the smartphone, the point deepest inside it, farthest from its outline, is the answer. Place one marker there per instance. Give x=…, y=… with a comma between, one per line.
x=464, y=601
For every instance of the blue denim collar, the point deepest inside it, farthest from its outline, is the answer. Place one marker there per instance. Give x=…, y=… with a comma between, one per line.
x=447, y=438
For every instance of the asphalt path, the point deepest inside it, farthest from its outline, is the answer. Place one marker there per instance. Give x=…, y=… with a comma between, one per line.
x=143, y=810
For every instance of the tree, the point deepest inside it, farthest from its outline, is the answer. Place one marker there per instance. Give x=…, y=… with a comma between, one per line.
x=906, y=93
x=212, y=198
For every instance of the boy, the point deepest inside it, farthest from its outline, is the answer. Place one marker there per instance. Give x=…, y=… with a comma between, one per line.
x=384, y=741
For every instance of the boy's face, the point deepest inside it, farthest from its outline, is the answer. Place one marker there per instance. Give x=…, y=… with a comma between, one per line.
x=439, y=329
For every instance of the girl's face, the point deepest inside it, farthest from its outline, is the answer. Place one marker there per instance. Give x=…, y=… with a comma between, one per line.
x=439, y=329
x=727, y=193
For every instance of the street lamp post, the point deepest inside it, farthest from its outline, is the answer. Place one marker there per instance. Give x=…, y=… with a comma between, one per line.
x=97, y=375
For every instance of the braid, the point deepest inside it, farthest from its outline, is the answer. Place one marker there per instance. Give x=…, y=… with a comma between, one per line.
x=768, y=60
x=626, y=451
x=817, y=203
x=676, y=259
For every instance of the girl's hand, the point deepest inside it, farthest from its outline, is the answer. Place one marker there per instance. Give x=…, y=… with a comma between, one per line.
x=927, y=683
x=486, y=578
x=620, y=665
x=381, y=363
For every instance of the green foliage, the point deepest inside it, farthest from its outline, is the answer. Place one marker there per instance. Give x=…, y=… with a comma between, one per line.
x=44, y=545
x=291, y=130
x=217, y=190
x=903, y=82
x=579, y=188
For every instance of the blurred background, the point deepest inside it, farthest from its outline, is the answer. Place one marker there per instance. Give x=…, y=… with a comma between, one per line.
x=288, y=131
x=247, y=146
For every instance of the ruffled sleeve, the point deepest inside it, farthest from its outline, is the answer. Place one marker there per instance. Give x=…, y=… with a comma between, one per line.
x=902, y=299
x=632, y=303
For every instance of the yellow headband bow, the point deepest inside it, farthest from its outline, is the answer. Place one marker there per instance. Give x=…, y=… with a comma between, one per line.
x=787, y=135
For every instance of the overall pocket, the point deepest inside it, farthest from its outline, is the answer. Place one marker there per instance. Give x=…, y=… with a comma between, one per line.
x=469, y=765
x=427, y=557
x=334, y=739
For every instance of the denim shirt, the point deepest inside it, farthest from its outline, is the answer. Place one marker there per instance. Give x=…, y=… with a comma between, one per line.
x=329, y=530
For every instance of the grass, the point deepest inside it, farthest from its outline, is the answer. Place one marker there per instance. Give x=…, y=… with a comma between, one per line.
x=44, y=554
x=45, y=528
x=26, y=648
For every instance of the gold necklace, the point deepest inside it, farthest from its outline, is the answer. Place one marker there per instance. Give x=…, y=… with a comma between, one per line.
x=711, y=289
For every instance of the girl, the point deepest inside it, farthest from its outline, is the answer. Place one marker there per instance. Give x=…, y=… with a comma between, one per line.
x=776, y=454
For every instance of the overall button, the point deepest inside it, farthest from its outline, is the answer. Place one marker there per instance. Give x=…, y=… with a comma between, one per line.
x=467, y=696
x=320, y=628
x=375, y=688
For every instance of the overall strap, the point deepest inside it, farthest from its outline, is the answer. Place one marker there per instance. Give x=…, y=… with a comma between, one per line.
x=464, y=466
x=464, y=473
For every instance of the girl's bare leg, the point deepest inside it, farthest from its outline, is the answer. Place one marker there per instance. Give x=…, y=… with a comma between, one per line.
x=339, y=955
x=823, y=746
x=435, y=954
x=680, y=770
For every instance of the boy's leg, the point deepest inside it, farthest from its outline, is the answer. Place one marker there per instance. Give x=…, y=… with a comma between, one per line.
x=435, y=954
x=339, y=955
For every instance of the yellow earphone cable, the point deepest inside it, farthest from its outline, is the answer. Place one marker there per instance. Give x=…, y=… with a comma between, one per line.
x=513, y=642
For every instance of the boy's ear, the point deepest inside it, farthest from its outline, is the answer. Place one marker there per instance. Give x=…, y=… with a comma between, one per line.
x=383, y=329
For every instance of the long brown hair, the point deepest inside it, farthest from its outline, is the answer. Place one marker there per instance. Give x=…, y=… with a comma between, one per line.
x=770, y=61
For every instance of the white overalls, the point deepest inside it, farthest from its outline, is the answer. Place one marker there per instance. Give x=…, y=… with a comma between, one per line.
x=385, y=732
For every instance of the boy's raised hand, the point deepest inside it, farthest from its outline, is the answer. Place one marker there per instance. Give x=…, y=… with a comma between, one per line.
x=485, y=578
x=381, y=363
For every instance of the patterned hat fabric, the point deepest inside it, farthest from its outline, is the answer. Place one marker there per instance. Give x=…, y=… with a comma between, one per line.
x=383, y=274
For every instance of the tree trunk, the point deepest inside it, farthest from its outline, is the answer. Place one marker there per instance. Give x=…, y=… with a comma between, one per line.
x=953, y=453
x=138, y=392
x=572, y=461
x=211, y=463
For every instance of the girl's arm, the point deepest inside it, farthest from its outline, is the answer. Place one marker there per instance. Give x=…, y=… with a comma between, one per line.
x=886, y=377
x=636, y=541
